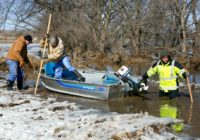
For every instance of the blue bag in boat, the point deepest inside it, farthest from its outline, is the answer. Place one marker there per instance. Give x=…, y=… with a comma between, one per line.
x=49, y=69
x=110, y=78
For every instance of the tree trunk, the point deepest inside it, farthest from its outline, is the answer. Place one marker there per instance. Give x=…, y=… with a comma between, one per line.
x=196, y=23
x=136, y=30
x=183, y=25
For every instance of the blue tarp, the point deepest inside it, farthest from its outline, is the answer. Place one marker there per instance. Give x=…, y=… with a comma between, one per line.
x=49, y=69
x=110, y=79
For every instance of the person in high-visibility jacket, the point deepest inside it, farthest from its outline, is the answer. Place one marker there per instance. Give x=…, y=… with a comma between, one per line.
x=168, y=70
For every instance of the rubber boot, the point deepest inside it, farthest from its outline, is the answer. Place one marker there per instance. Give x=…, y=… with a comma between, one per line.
x=10, y=85
x=19, y=84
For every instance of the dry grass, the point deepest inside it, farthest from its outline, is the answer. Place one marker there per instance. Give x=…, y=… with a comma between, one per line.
x=101, y=60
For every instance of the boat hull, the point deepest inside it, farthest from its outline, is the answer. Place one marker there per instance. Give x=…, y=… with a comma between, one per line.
x=84, y=89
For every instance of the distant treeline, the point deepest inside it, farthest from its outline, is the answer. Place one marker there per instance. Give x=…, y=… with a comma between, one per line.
x=108, y=26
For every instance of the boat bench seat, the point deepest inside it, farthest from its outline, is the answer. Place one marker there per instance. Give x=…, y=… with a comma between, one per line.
x=101, y=78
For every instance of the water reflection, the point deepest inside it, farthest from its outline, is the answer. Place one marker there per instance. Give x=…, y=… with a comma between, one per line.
x=179, y=108
x=168, y=108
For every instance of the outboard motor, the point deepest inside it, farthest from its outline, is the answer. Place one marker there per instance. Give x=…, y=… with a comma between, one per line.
x=126, y=75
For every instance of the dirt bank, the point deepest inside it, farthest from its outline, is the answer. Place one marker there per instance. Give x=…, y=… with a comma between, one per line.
x=99, y=60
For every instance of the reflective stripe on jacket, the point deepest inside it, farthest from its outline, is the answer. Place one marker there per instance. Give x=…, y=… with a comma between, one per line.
x=168, y=74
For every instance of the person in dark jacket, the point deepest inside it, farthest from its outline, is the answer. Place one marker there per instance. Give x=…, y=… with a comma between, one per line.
x=15, y=59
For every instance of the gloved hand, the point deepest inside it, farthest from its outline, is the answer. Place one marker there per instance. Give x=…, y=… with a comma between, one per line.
x=186, y=74
x=45, y=61
x=143, y=85
x=46, y=37
x=21, y=64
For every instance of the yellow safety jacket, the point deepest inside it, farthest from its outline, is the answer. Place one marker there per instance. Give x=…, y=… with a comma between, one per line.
x=168, y=74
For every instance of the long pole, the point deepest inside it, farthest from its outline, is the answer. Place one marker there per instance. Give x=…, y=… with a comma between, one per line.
x=189, y=88
x=190, y=114
x=42, y=60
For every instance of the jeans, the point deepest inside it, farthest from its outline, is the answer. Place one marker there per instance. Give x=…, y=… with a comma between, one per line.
x=65, y=62
x=15, y=72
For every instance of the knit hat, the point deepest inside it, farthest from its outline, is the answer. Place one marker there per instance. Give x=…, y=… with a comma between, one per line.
x=28, y=38
x=164, y=53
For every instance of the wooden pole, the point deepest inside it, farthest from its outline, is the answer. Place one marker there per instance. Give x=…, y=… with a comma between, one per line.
x=189, y=88
x=42, y=60
x=190, y=114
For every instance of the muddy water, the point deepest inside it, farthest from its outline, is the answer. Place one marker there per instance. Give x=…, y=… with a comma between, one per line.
x=150, y=103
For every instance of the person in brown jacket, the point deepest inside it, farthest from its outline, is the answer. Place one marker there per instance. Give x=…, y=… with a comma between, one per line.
x=15, y=59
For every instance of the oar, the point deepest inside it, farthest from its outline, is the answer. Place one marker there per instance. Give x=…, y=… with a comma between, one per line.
x=42, y=61
x=189, y=88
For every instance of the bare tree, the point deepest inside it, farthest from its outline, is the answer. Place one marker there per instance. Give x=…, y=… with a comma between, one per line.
x=196, y=21
x=99, y=25
x=181, y=11
x=22, y=14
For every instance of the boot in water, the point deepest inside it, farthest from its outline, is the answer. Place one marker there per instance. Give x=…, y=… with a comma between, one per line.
x=19, y=84
x=10, y=85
